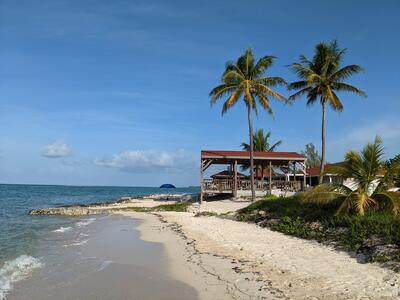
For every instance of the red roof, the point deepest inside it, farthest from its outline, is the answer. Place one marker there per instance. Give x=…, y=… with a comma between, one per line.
x=244, y=154
x=316, y=170
x=313, y=171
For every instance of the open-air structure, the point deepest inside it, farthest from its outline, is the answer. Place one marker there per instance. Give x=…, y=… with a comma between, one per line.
x=289, y=162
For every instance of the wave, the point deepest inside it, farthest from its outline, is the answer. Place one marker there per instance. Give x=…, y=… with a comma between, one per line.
x=62, y=229
x=15, y=270
x=76, y=244
x=85, y=222
x=105, y=264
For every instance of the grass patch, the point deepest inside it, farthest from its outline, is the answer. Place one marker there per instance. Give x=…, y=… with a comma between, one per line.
x=377, y=234
x=179, y=207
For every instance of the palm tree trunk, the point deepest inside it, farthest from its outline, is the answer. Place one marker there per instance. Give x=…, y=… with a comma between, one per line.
x=253, y=191
x=321, y=175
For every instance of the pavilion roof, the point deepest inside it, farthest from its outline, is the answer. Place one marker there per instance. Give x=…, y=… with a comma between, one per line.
x=229, y=156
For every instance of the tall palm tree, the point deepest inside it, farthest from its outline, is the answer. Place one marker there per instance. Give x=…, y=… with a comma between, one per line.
x=245, y=79
x=369, y=189
x=261, y=144
x=321, y=78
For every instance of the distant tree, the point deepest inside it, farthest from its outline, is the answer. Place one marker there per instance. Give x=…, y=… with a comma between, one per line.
x=313, y=157
x=261, y=144
x=320, y=79
x=246, y=79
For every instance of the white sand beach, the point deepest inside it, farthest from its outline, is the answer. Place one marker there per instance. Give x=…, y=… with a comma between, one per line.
x=225, y=259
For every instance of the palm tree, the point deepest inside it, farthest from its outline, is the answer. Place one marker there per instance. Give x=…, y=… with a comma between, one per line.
x=370, y=189
x=321, y=78
x=245, y=78
x=261, y=144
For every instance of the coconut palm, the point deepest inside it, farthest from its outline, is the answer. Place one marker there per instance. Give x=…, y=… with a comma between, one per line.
x=321, y=78
x=371, y=185
x=245, y=79
x=261, y=144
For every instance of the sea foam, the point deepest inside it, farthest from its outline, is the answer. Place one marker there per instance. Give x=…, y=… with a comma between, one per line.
x=62, y=229
x=15, y=270
x=80, y=243
x=85, y=222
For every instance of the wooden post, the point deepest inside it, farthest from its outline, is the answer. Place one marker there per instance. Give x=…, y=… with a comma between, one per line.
x=201, y=181
x=288, y=172
x=305, y=176
x=294, y=171
x=235, y=183
x=270, y=177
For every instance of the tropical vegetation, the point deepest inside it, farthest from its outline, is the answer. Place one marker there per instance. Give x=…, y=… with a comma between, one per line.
x=376, y=235
x=261, y=144
x=245, y=79
x=320, y=79
x=371, y=179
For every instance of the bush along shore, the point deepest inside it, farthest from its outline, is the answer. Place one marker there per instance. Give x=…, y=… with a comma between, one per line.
x=374, y=237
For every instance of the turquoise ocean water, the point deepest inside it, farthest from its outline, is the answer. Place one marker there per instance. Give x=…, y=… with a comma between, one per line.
x=23, y=238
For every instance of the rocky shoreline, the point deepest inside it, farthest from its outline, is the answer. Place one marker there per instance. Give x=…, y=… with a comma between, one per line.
x=110, y=206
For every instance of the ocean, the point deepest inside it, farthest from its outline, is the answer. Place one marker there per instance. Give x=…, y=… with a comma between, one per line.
x=27, y=243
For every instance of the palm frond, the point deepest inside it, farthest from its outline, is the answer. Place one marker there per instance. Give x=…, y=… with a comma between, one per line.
x=346, y=72
x=302, y=71
x=298, y=85
x=267, y=91
x=325, y=194
x=340, y=86
x=221, y=91
x=298, y=94
x=271, y=81
x=262, y=65
x=389, y=201
x=264, y=101
x=231, y=101
x=246, y=63
x=334, y=101
x=274, y=146
x=362, y=202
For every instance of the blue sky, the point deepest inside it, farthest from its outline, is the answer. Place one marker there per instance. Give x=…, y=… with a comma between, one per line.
x=116, y=92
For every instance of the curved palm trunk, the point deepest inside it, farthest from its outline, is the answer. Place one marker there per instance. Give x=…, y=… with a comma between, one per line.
x=321, y=175
x=253, y=191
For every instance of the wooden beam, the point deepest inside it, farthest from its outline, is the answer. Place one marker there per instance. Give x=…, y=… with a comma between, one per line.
x=235, y=183
x=205, y=164
x=201, y=182
x=294, y=171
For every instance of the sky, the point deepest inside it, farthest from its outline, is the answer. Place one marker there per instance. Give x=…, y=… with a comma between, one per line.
x=116, y=92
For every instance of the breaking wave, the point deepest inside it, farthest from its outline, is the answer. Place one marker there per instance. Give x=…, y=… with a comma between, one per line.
x=15, y=270
x=62, y=229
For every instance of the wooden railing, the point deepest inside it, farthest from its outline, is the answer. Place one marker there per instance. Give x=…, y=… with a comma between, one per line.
x=220, y=185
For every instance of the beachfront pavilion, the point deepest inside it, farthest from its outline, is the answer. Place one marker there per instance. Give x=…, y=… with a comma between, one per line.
x=290, y=162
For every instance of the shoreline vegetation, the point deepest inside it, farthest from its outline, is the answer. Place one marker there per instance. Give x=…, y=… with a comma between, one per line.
x=234, y=234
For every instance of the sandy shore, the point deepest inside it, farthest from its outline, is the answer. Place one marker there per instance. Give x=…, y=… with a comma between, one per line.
x=225, y=259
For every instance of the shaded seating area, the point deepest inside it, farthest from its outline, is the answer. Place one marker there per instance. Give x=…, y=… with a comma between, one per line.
x=231, y=181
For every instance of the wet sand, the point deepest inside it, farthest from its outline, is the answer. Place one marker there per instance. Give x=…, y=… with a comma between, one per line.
x=112, y=262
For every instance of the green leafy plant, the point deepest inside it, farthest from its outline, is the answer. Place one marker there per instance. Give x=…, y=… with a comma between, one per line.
x=245, y=79
x=261, y=144
x=320, y=79
x=371, y=183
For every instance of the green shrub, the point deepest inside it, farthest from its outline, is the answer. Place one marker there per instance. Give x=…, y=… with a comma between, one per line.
x=180, y=207
x=319, y=222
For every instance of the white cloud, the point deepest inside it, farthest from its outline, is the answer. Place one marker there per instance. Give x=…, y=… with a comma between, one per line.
x=145, y=160
x=57, y=149
x=356, y=137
